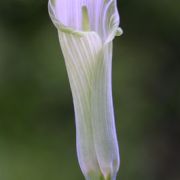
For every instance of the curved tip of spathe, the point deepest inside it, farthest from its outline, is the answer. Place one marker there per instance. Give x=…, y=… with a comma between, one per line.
x=119, y=31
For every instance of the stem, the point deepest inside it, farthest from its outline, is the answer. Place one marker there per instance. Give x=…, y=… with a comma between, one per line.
x=93, y=176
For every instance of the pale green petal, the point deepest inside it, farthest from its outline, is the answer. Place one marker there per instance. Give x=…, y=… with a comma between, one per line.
x=103, y=17
x=88, y=63
x=104, y=130
x=86, y=44
x=81, y=55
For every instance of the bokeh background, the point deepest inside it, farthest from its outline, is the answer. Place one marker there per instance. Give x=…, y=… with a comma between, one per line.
x=37, y=130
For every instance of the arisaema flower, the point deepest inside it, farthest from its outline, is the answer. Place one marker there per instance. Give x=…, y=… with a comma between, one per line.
x=86, y=29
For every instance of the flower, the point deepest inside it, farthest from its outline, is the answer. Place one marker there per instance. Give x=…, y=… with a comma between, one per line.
x=86, y=29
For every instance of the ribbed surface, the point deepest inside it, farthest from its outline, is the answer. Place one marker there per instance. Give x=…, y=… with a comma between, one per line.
x=89, y=69
x=88, y=59
x=103, y=15
x=106, y=144
x=81, y=55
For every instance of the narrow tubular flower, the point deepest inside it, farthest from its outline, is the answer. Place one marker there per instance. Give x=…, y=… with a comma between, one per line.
x=86, y=29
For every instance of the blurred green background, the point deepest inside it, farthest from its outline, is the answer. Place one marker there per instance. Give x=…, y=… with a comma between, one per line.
x=37, y=129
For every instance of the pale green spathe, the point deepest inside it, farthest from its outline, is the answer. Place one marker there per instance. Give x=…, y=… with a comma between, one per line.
x=87, y=50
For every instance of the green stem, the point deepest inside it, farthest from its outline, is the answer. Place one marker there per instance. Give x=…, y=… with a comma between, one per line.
x=93, y=176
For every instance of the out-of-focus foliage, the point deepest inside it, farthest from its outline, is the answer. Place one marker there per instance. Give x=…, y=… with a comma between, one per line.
x=37, y=129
